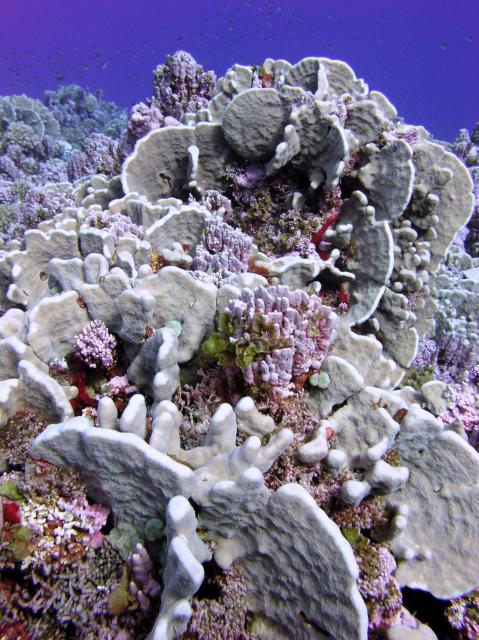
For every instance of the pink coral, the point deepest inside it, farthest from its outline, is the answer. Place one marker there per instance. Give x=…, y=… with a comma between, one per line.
x=222, y=251
x=95, y=347
x=464, y=407
x=278, y=335
x=463, y=615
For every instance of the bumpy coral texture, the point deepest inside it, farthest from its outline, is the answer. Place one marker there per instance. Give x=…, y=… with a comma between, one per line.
x=67, y=573
x=274, y=336
x=180, y=86
x=463, y=616
x=95, y=347
x=100, y=155
x=313, y=207
x=222, y=251
x=466, y=147
x=118, y=225
x=81, y=113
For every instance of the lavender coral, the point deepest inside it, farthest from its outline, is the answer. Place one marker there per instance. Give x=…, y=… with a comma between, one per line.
x=95, y=347
x=24, y=206
x=100, y=154
x=466, y=147
x=223, y=250
x=274, y=335
x=145, y=586
x=118, y=225
x=257, y=209
x=180, y=86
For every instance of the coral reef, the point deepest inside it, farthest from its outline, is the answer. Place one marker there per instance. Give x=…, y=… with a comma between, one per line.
x=81, y=113
x=180, y=88
x=30, y=141
x=257, y=347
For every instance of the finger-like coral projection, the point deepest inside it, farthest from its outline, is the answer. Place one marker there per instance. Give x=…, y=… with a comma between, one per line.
x=218, y=337
x=273, y=335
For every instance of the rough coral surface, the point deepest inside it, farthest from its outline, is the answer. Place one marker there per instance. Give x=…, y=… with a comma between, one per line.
x=274, y=336
x=95, y=346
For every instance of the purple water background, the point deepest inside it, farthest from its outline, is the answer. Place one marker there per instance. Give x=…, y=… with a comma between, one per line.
x=423, y=54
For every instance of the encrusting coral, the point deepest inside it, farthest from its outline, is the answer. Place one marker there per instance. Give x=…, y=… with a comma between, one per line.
x=217, y=338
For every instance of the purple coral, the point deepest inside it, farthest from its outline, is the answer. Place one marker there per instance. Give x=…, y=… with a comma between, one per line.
x=100, y=155
x=223, y=250
x=24, y=207
x=145, y=586
x=463, y=615
x=143, y=119
x=463, y=407
x=95, y=347
x=451, y=355
x=181, y=85
x=118, y=225
x=280, y=334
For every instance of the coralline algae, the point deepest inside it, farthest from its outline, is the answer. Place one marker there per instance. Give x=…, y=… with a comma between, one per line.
x=234, y=343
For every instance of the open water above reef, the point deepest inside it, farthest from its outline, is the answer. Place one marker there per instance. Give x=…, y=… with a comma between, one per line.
x=421, y=54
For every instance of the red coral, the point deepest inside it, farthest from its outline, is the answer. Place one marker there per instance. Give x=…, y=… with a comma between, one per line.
x=11, y=512
x=13, y=631
x=83, y=399
x=318, y=235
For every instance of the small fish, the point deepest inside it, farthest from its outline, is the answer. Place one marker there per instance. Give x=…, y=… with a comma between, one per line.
x=104, y=65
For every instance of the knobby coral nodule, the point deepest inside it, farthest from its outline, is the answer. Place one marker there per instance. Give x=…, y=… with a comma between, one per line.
x=260, y=275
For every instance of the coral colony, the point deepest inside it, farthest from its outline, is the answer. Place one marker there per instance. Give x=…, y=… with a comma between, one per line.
x=238, y=363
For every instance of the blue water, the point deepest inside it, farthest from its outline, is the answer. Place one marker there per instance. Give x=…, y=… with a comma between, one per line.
x=421, y=53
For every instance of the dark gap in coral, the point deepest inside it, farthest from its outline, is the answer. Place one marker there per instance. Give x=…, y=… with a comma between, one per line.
x=338, y=406
x=428, y=610
x=109, y=524
x=210, y=589
x=349, y=185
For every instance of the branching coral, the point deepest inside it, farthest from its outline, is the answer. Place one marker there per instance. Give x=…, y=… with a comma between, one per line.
x=95, y=346
x=99, y=155
x=274, y=335
x=180, y=86
x=222, y=251
x=463, y=616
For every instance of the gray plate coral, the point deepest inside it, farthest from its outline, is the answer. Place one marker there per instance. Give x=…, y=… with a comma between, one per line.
x=176, y=265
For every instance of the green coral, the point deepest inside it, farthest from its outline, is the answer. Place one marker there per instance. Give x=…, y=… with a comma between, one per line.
x=226, y=350
x=23, y=135
x=19, y=545
x=154, y=529
x=415, y=378
x=124, y=537
x=120, y=599
x=11, y=491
